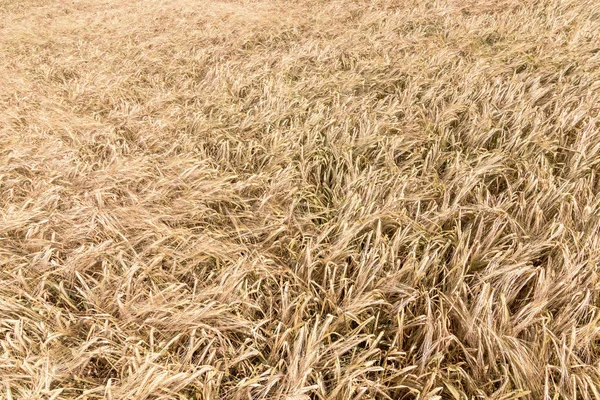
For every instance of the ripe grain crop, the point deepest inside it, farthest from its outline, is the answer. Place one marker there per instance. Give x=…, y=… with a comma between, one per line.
x=344, y=199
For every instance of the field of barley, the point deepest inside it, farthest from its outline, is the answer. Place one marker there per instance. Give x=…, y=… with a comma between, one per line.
x=300, y=200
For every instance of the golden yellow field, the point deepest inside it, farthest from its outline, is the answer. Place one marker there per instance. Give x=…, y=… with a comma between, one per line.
x=346, y=199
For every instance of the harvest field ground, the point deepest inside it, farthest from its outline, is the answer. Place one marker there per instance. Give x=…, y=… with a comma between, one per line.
x=299, y=200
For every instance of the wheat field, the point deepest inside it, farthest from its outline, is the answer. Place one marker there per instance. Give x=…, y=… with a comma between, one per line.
x=342, y=199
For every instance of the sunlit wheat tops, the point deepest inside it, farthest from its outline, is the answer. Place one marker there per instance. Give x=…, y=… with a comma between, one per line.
x=299, y=200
